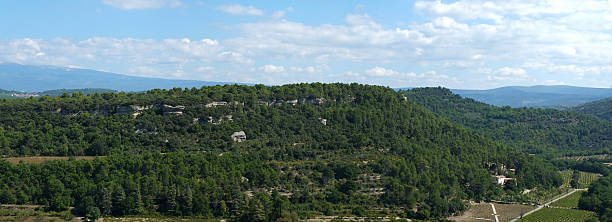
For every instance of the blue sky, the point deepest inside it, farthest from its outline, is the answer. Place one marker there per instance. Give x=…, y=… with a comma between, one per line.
x=468, y=44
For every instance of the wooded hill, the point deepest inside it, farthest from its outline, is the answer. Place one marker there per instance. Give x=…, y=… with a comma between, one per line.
x=600, y=108
x=548, y=132
x=310, y=149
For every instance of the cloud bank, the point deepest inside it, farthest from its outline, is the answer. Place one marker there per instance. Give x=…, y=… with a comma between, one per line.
x=464, y=44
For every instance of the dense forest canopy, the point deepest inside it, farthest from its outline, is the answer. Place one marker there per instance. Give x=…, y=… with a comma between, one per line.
x=600, y=108
x=534, y=130
x=599, y=198
x=310, y=149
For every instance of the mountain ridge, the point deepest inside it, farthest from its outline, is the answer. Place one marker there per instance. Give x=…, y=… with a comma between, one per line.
x=601, y=108
x=547, y=96
x=29, y=78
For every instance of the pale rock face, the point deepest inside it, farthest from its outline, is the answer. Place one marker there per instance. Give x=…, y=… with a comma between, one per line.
x=239, y=136
x=323, y=121
x=128, y=109
x=175, y=110
x=215, y=104
x=292, y=102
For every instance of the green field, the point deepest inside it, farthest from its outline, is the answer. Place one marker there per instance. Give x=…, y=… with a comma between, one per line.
x=558, y=215
x=570, y=201
x=586, y=179
x=566, y=175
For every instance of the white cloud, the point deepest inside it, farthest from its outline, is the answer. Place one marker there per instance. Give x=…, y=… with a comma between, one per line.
x=361, y=39
x=380, y=71
x=509, y=74
x=238, y=9
x=272, y=68
x=466, y=38
x=142, y=4
x=205, y=68
x=310, y=69
x=281, y=13
x=146, y=57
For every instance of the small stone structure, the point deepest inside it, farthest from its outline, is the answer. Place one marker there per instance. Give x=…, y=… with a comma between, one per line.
x=323, y=121
x=239, y=136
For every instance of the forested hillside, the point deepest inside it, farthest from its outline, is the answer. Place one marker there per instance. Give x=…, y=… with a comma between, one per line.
x=600, y=108
x=87, y=91
x=306, y=150
x=599, y=198
x=541, y=131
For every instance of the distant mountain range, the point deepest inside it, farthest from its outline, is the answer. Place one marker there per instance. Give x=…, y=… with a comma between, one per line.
x=27, y=78
x=537, y=96
x=52, y=93
x=22, y=80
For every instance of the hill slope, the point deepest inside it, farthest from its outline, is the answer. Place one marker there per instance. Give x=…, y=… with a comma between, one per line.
x=310, y=149
x=536, y=96
x=41, y=78
x=548, y=131
x=600, y=108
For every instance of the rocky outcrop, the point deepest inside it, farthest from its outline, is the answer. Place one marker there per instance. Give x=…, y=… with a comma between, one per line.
x=239, y=136
x=292, y=102
x=172, y=110
x=316, y=101
x=215, y=121
x=323, y=121
x=129, y=109
x=215, y=104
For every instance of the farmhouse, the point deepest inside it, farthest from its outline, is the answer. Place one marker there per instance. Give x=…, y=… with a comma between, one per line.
x=501, y=180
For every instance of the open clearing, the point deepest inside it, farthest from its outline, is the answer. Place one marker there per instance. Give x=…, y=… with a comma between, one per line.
x=558, y=215
x=570, y=201
x=27, y=213
x=42, y=159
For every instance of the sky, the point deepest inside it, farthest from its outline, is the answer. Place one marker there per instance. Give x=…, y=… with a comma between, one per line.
x=466, y=44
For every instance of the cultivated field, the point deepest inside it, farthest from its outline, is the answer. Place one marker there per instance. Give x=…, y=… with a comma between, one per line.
x=585, y=179
x=566, y=175
x=507, y=212
x=597, y=157
x=483, y=211
x=570, y=201
x=558, y=215
x=41, y=159
x=477, y=210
